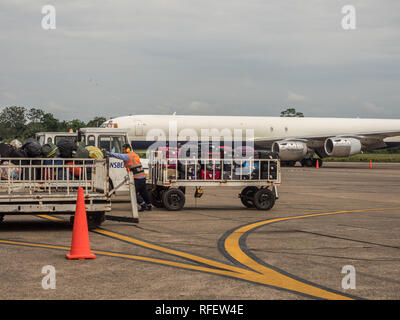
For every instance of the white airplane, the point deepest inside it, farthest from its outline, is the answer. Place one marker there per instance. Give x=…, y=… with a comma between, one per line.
x=293, y=138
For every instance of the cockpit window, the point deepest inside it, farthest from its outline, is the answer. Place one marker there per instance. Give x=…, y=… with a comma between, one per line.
x=107, y=124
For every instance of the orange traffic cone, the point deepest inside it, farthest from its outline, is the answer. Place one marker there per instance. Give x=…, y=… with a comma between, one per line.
x=80, y=246
x=317, y=164
x=370, y=164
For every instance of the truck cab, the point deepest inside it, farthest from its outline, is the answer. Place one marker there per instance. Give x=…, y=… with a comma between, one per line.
x=110, y=139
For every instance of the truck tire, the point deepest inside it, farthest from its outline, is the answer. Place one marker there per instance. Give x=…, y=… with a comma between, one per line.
x=173, y=199
x=156, y=197
x=247, y=196
x=264, y=199
x=95, y=219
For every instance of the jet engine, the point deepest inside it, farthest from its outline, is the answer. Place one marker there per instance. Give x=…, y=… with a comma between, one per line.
x=290, y=150
x=342, y=147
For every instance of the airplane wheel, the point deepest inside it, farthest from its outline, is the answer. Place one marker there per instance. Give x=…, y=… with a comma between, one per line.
x=288, y=163
x=307, y=163
x=173, y=199
x=247, y=196
x=264, y=199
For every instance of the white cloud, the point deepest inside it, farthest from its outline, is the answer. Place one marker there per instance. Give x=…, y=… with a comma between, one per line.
x=374, y=109
x=295, y=97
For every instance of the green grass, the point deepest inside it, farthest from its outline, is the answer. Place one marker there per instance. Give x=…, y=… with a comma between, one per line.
x=366, y=157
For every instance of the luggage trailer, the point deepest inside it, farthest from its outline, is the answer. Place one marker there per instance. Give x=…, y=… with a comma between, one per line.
x=168, y=179
x=49, y=186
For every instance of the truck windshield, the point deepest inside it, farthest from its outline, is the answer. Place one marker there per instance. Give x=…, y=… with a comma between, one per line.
x=111, y=143
x=58, y=138
x=41, y=139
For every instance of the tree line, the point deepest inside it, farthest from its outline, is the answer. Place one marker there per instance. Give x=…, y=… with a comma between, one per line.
x=22, y=123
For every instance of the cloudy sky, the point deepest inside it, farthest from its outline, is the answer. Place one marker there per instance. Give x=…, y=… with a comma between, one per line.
x=236, y=57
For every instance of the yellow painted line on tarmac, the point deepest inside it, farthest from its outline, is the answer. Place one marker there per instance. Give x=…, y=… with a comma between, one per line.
x=265, y=276
x=169, y=251
x=132, y=257
x=30, y=244
x=158, y=248
x=45, y=216
x=261, y=274
x=275, y=278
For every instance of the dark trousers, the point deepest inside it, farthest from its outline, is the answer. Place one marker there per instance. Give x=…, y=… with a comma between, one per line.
x=141, y=191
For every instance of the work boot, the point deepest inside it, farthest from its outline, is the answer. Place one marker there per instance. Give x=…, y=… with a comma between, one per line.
x=148, y=207
x=142, y=207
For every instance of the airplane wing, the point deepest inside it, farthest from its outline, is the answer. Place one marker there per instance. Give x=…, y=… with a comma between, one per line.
x=370, y=140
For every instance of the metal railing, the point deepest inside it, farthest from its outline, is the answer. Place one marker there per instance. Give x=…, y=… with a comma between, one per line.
x=28, y=176
x=163, y=170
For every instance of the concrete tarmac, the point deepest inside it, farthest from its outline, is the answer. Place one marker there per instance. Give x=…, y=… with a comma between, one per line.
x=334, y=233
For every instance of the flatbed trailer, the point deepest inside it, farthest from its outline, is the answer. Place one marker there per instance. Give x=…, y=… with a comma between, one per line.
x=50, y=186
x=168, y=179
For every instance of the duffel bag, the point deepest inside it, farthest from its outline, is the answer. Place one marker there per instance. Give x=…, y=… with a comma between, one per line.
x=81, y=153
x=32, y=148
x=5, y=150
x=50, y=150
x=66, y=146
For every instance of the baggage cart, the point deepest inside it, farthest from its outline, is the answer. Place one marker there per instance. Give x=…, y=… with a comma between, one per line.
x=168, y=179
x=49, y=186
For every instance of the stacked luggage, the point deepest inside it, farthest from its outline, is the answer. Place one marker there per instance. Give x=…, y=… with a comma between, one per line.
x=255, y=166
x=55, y=156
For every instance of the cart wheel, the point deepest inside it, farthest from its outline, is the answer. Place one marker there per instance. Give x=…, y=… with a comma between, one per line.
x=173, y=199
x=264, y=199
x=247, y=196
x=156, y=197
x=95, y=219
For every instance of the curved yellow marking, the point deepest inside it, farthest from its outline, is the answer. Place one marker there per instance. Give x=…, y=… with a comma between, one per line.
x=170, y=251
x=132, y=257
x=264, y=275
x=268, y=276
x=275, y=278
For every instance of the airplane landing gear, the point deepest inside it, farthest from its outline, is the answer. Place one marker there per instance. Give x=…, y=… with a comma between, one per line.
x=311, y=162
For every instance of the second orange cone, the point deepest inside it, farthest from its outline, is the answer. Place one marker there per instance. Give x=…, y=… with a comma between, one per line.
x=80, y=246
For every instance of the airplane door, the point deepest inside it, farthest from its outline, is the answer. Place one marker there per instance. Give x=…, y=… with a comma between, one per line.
x=139, y=128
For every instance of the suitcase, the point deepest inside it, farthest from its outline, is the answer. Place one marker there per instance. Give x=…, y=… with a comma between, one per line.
x=210, y=175
x=187, y=170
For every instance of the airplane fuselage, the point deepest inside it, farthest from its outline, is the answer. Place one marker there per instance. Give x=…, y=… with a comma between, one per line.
x=145, y=129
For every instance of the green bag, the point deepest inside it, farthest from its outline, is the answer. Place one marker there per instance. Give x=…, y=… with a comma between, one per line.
x=50, y=150
x=81, y=153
